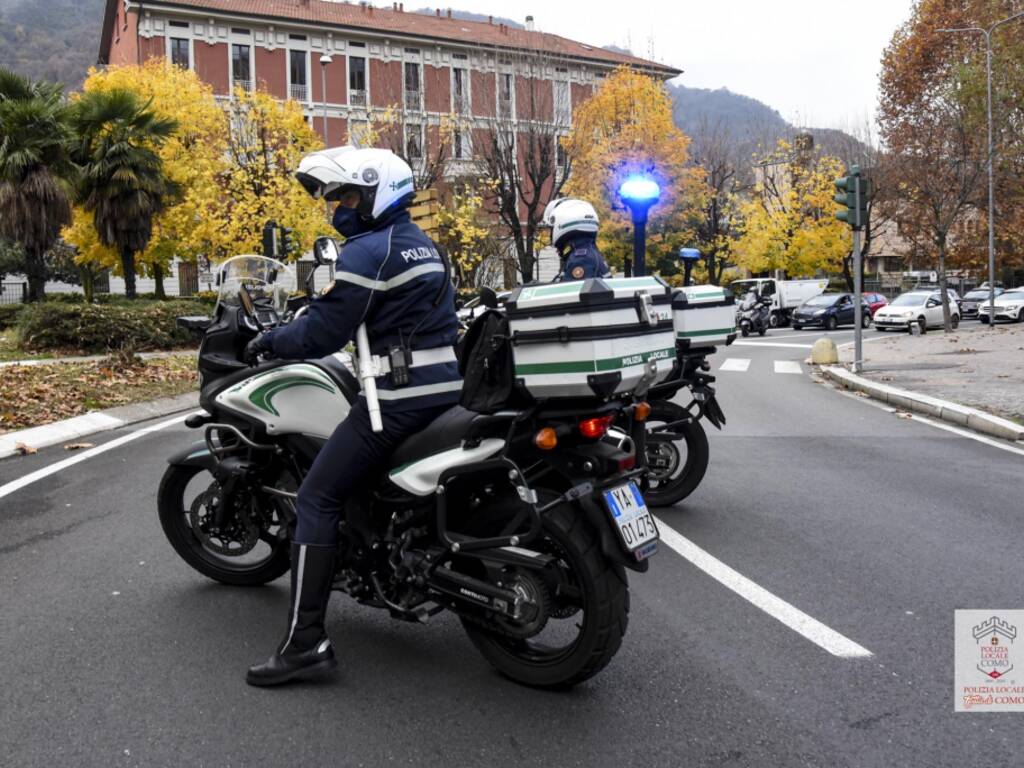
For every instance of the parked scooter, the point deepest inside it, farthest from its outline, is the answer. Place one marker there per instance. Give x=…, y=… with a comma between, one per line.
x=754, y=317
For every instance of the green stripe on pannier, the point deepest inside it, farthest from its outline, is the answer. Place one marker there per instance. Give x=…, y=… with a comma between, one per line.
x=593, y=366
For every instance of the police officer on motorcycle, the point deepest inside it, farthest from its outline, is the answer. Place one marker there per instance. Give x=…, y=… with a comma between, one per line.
x=391, y=277
x=574, y=226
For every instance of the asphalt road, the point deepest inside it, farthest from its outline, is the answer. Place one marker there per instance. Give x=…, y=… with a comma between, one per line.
x=877, y=527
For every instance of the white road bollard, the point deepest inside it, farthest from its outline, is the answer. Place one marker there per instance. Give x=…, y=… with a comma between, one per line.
x=367, y=376
x=824, y=352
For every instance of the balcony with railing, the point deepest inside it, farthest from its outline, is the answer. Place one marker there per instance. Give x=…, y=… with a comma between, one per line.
x=460, y=103
x=505, y=107
x=298, y=92
x=245, y=85
x=357, y=98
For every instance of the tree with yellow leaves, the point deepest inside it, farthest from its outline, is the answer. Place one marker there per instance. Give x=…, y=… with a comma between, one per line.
x=790, y=222
x=625, y=128
x=192, y=158
x=265, y=142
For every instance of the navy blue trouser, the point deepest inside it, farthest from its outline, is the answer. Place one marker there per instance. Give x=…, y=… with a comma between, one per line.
x=352, y=455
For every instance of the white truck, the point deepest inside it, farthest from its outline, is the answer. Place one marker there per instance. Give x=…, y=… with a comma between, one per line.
x=786, y=295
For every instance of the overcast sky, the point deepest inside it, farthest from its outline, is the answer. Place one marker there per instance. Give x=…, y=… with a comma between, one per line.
x=785, y=53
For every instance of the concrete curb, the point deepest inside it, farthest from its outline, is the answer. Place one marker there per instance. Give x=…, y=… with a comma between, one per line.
x=93, y=358
x=954, y=413
x=97, y=421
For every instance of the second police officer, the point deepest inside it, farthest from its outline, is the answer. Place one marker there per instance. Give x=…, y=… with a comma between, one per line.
x=574, y=226
x=391, y=277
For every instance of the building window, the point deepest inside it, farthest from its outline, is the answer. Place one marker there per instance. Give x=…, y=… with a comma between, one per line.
x=298, y=88
x=413, y=142
x=413, y=92
x=240, y=31
x=179, y=24
x=561, y=157
x=505, y=95
x=179, y=53
x=461, y=149
x=460, y=90
x=357, y=131
x=357, y=81
x=563, y=103
x=241, y=71
x=296, y=37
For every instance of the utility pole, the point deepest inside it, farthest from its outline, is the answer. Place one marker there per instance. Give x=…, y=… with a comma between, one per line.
x=991, y=185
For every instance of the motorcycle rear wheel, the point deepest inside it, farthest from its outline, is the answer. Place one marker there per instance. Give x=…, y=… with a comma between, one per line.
x=685, y=473
x=601, y=618
x=174, y=519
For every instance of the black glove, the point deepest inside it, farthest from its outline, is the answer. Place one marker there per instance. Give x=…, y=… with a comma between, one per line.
x=256, y=347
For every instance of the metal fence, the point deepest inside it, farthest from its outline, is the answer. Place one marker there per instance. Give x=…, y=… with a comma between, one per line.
x=13, y=293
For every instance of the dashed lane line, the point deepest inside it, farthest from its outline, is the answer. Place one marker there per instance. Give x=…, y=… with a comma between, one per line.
x=39, y=474
x=821, y=635
x=788, y=366
x=740, y=364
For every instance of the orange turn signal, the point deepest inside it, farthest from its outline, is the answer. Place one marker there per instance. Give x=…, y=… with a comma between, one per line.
x=641, y=411
x=546, y=439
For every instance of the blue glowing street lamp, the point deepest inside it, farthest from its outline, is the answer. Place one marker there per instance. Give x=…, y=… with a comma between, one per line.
x=639, y=193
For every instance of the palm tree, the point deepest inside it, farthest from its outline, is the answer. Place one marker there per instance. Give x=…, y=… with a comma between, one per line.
x=35, y=169
x=122, y=181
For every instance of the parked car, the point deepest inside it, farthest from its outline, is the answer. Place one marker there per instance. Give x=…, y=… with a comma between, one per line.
x=829, y=310
x=875, y=301
x=921, y=307
x=973, y=300
x=1009, y=307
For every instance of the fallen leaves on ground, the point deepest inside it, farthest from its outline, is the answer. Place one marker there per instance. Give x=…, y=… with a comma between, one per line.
x=24, y=450
x=78, y=446
x=40, y=394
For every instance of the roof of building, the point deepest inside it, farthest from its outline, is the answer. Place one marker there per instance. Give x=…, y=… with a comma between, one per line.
x=397, y=21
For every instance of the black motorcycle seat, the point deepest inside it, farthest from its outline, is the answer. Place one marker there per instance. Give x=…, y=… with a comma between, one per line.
x=446, y=431
x=342, y=376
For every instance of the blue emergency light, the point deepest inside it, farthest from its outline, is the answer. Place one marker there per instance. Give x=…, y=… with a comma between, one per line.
x=639, y=193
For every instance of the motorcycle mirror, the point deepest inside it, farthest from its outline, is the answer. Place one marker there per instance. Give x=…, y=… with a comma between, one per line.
x=489, y=298
x=325, y=251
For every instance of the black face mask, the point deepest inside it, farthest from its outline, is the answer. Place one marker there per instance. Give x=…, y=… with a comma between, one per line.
x=348, y=222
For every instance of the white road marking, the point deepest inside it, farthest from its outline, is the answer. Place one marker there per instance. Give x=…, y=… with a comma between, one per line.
x=39, y=474
x=931, y=422
x=735, y=364
x=771, y=344
x=788, y=366
x=823, y=636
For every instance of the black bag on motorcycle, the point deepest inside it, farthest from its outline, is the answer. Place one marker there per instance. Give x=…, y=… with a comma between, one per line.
x=486, y=365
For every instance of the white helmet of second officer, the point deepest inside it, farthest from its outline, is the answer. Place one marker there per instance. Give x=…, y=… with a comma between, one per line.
x=568, y=216
x=383, y=180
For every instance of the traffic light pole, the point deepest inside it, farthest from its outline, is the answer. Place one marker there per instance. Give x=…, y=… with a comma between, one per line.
x=858, y=306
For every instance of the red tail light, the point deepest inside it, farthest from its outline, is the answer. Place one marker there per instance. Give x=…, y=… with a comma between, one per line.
x=595, y=427
x=627, y=463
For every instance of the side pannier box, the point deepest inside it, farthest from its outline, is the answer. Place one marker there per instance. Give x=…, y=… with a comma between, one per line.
x=591, y=338
x=703, y=316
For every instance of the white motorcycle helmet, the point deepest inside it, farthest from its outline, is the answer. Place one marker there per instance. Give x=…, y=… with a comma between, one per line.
x=383, y=179
x=567, y=216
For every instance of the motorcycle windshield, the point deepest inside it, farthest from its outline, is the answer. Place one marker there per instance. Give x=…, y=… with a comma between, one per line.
x=269, y=281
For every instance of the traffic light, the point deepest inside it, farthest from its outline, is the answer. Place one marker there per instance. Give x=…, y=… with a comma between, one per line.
x=855, y=191
x=270, y=239
x=288, y=243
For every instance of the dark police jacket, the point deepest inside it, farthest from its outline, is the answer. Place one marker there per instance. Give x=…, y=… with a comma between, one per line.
x=583, y=259
x=393, y=279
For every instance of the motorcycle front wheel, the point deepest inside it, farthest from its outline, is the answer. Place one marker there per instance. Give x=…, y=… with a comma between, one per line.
x=588, y=612
x=677, y=466
x=241, y=551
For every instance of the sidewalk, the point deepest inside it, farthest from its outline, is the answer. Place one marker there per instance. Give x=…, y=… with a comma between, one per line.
x=982, y=368
x=93, y=358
